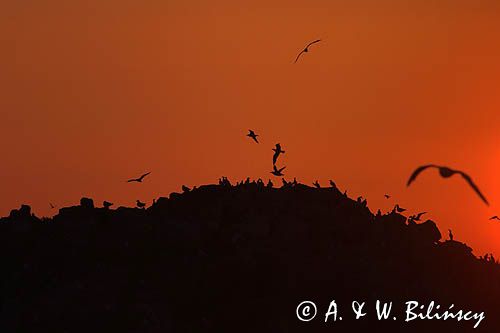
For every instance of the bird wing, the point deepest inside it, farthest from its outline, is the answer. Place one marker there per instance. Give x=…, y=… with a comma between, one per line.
x=474, y=187
x=283, y=168
x=311, y=43
x=144, y=175
x=298, y=56
x=420, y=214
x=132, y=180
x=418, y=171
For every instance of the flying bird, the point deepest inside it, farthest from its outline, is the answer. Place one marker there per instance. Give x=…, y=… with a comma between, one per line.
x=277, y=152
x=140, y=204
x=495, y=218
x=139, y=180
x=252, y=135
x=277, y=172
x=387, y=196
x=306, y=49
x=446, y=172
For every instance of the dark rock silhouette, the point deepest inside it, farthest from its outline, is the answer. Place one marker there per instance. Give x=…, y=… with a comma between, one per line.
x=223, y=258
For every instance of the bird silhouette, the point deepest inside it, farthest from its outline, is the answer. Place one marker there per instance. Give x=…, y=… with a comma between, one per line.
x=185, y=189
x=106, y=204
x=252, y=135
x=387, y=196
x=495, y=218
x=139, y=180
x=277, y=172
x=52, y=206
x=399, y=209
x=285, y=183
x=332, y=184
x=316, y=184
x=419, y=215
x=140, y=204
x=446, y=172
x=277, y=152
x=450, y=234
x=306, y=49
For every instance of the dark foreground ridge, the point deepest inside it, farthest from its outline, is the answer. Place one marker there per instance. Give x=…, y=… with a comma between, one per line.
x=227, y=258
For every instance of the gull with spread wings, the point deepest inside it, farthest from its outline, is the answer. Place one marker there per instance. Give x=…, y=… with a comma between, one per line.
x=139, y=180
x=306, y=49
x=252, y=135
x=446, y=172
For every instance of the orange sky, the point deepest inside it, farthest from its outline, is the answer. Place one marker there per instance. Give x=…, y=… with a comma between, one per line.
x=94, y=92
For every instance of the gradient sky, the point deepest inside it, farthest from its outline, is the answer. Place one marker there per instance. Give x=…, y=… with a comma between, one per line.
x=93, y=92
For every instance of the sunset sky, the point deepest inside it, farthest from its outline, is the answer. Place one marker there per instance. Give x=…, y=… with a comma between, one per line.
x=93, y=92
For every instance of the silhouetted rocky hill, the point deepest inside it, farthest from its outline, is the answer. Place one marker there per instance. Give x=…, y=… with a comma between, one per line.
x=240, y=258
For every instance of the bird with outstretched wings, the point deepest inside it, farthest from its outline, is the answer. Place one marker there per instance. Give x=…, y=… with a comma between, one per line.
x=306, y=49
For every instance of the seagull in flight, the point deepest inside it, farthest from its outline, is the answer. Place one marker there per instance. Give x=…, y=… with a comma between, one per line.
x=446, y=172
x=277, y=152
x=387, y=196
x=306, y=49
x=252, y=135
x=277, y=172
x=495, y=218
x=139, y=180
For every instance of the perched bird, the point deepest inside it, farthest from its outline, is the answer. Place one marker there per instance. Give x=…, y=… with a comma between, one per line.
x=495, y=218
x=277, y=152
x=294, y=181
x=140, y=204
x=277, y=172
x=269, y=184
x=399, y=209
x=306, y=49
x=139, y=180
x=419, y=215
x=106, y=204
x=252, y=135
x=332, y=184
x=285, y=183
x=446, y=172
x=387, y=196
x=450, y=234
x=185, y=189
x=316, y=184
